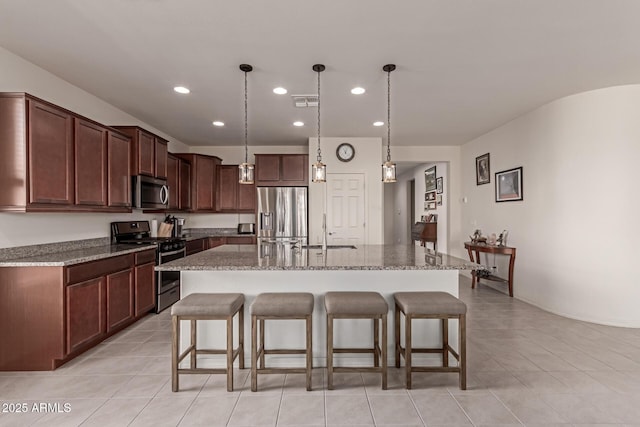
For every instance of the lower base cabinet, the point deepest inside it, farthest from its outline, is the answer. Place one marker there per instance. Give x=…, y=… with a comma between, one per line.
x=52, y=314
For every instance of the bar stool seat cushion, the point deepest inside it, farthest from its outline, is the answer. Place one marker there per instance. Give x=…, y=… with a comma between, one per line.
x=429, y=303
x=283, y=304
x=355, y=303
x=208, y=305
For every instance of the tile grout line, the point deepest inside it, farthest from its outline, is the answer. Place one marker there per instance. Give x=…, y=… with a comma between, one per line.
x=461, y=408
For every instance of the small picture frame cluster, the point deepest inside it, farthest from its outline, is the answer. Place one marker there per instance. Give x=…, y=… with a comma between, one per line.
x=509, y=185
x=483, y=170
x=430, y=196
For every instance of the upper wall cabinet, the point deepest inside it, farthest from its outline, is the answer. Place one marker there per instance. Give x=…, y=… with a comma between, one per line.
x=148, y=152
x=282, y=170
x=203, y=181
x=54, y=160
x=231, y=196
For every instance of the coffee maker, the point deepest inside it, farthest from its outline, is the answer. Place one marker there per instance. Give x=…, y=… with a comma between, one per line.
x=178, y=225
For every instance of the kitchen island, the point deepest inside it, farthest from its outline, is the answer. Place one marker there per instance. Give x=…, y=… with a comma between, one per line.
x=253, y=269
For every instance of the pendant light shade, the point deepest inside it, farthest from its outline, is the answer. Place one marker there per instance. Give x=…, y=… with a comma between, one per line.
x=388, y=167
x=319, y=169
x=246, y=170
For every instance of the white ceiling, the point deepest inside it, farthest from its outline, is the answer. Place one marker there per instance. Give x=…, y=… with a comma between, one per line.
x=464, y=67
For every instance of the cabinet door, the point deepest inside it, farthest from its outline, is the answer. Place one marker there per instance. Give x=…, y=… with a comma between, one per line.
x=50, y=145
x=294, y=169
x=214, y=242
x=227, y=188
x=185, y=185
x=119, y=298
x=195, y=246
x=145, y=289
x=161, y=155
x=145, y=154
x=173, y=181
x=85, y=313
x=90, y=163
x=247, y=198
x=240, y=240
x=268, y=169
x=119, y=173
x=205, y=178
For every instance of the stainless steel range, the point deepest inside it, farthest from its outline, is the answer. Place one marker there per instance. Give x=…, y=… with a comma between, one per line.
x=167, y=249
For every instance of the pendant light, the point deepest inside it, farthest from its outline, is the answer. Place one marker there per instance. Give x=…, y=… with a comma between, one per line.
x=319, y=169
x=388, y=167
x=246, y=169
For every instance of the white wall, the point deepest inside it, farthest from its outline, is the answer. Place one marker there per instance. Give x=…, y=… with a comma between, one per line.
x=368, y=160
x=18, y=75
x=576, y=231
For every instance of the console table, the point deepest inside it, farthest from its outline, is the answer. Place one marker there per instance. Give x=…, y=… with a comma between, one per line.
x=502, y=250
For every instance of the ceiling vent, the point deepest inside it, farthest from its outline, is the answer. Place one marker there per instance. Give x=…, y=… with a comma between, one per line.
x=303, y=101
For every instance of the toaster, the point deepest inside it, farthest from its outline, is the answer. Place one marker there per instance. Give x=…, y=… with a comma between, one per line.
x=246, y=228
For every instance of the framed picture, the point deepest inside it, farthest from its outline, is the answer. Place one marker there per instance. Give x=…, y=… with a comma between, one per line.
x=509, y=185
x=430, y=206
x=430, y=196
x=439, y=185
x=424, y=218
x=439, y=200
x=483, y=170
x=433, y=218
x=430, y=179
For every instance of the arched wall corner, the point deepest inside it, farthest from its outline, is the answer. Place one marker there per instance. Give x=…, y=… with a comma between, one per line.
x=576, y=230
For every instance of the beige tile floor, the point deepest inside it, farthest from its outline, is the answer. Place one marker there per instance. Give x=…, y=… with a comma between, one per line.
x=526, y=367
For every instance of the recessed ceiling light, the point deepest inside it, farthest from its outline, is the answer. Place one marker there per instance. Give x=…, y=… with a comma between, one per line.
x=378, y=123
x=218, y=123
x=280, y=90
x=181, y=89
x=357, y=90
x=298, y=124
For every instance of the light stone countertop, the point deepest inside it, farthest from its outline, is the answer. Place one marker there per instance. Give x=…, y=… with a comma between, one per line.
x=71, y=257
x=286, y=257
x=202, y=233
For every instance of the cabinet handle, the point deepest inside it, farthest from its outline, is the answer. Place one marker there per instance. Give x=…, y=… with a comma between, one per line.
x=164, y=195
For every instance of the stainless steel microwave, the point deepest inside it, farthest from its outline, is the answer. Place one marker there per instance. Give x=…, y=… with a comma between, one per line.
x=149, y=193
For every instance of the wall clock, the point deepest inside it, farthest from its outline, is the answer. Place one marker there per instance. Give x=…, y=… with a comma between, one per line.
x=345, y=152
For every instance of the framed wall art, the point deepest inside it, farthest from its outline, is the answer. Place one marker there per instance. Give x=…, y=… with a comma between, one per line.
x=430, y=206
x=430, y=196
x=509, y=185
x=430, y=179
x=483, y=170
x=439, y=200
x=439, y=185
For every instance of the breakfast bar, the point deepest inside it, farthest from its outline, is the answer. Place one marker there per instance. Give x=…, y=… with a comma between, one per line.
x=254, y=269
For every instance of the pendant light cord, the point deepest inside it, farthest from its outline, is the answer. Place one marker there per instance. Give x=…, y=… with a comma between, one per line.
x=389, y=116
x=246, y=128
x=319, y=156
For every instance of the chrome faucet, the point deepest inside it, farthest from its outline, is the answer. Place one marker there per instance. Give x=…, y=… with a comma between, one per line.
x=324, y=232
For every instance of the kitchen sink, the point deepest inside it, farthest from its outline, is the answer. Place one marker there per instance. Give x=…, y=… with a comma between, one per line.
x=328, y=247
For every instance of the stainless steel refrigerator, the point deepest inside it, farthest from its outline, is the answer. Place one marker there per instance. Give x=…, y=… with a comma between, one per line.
x=282, y=214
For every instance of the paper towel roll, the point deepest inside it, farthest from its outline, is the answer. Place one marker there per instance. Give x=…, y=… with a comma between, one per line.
x=154, y=228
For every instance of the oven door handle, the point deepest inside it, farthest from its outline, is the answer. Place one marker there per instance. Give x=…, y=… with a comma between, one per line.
x=162, y=254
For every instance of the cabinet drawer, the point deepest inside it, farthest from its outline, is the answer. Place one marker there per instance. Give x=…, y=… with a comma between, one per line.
x=89, y=270
x=249, y=240
x=145, y=257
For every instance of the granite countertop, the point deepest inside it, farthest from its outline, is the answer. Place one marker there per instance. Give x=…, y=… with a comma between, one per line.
x=286, y=257
x=71, y=257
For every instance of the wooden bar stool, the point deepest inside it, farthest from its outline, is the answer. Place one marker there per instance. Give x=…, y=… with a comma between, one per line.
x=280, y=306
x=196, y=307
x=358, y=305
x=431, y=305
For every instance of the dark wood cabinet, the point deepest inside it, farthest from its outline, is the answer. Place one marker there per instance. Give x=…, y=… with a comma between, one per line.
x=173, y=181
x=231, y=196
x=90, y=163
x=240, y=240
x=185, y=185
x=282, y=170
x=119, y=170
x=86, y=317
x=50, y=148
x=203, y=181
x=119, y=299
x=145, y=282
x=148, y=152
x=52, y=159
x=196, y=245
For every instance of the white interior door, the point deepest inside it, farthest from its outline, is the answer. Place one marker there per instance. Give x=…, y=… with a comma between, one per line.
x=345, y=209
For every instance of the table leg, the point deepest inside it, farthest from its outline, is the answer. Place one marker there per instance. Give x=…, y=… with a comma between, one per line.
x=512, y=261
